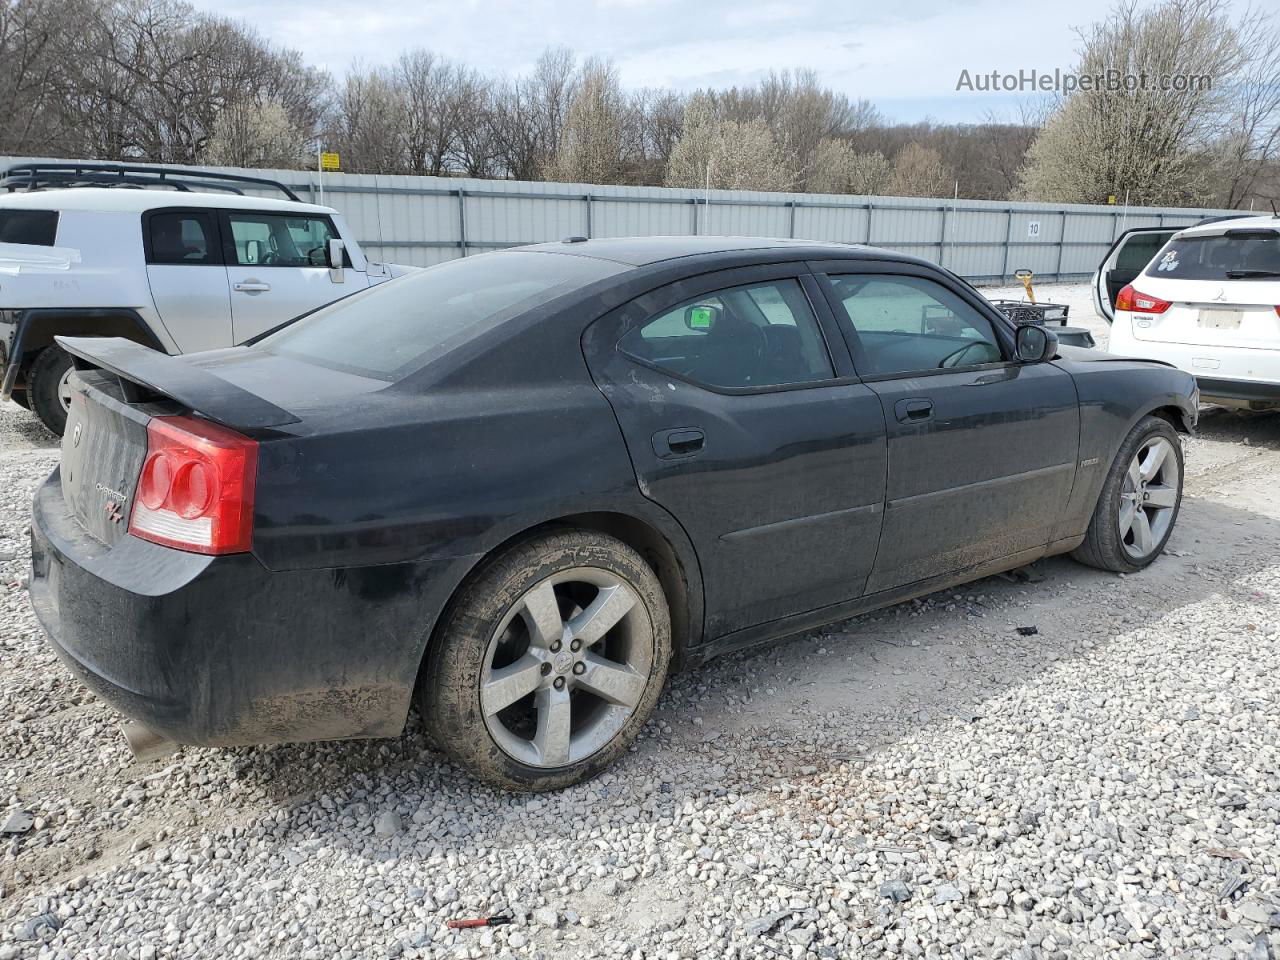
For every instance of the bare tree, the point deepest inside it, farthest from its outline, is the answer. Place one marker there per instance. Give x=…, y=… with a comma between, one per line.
x=158, y=80
x=1250, y=135
x=1143, y=140
x=252, y=134
x=477, y=150
x=664, y=119
x=365, y=127
x=799, y=112
x=529, y=112
x=726, y=154
x=437, y=98
x=34, y=34
x=838, y=168
x=919, y=172
x=142, y=78
x=1006, y=143
x=657, y=117
x=593, y=140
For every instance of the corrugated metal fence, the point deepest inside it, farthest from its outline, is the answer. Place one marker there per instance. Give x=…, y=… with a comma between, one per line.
x=424, y=220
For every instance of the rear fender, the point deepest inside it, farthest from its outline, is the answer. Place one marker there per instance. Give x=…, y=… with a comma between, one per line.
x=29, y=331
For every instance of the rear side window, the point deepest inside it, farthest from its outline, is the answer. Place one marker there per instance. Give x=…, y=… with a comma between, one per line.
x=759, y=335
x=396, y=327
x=1236, y=255
x=1138, y=251
x=182, y=237
x=35, y=227
x=268, y=240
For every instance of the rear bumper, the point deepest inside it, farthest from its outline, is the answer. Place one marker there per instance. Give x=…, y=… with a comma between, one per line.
x=1253, y=391
x=220, y=650
x=1228, y=373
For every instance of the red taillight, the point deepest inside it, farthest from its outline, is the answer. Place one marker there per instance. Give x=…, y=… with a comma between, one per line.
x=196, y=488
x=1135, y=302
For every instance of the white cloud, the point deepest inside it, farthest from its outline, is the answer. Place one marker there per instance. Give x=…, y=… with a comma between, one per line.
x=907, y=53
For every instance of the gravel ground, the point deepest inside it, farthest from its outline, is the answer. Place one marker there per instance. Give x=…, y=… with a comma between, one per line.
x=920, y=782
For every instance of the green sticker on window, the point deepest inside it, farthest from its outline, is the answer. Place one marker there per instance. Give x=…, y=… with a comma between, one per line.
x=701, y=318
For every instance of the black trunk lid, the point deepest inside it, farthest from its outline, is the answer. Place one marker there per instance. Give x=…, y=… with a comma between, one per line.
x=102, y=452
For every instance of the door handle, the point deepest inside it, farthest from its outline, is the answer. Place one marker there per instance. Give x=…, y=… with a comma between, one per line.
x=916, y=410
x=252, y=286
x=681, y=442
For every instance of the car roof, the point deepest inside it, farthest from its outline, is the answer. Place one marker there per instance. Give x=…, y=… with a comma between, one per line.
x=125, y=200
x=1219, y=227
x=642, y=251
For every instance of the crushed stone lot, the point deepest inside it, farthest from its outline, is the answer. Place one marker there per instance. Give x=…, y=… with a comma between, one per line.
x=922, y=782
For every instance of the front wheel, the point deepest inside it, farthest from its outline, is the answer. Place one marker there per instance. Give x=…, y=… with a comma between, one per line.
x=549, y=662
x=1139, y=502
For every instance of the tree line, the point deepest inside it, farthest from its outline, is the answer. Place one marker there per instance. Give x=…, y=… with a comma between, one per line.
x=157, y=80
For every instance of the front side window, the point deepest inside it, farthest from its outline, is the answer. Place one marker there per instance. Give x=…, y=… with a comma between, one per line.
x=34, y=227
x=278, y=240
x=1236, y=255
x=909, y=324
x=182, y=237
x=757, y=335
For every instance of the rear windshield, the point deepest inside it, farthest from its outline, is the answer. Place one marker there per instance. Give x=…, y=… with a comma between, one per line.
x=1235, y=255
x=394, y=328
x=36, y=227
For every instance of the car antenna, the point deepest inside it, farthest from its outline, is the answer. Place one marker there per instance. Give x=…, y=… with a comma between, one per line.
x=1274, y=213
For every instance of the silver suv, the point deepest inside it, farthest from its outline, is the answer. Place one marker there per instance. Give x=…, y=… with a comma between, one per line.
x=178, y=260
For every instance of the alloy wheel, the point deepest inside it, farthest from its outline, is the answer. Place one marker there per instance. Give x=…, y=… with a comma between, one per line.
x=1148, y=497
x=64, y=390
x=566, y=667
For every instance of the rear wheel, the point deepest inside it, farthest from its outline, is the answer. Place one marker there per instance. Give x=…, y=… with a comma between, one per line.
x=1139, y=502
x=49, y=387
x=549, y=663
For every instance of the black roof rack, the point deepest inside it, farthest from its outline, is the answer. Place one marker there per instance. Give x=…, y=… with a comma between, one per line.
x=42, y=176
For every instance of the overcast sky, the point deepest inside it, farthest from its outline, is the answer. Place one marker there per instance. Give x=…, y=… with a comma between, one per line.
x=904, y=55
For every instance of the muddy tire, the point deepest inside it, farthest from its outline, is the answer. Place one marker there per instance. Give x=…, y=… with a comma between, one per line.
x=1139, y=503
x=46, y=387
x=548, y=663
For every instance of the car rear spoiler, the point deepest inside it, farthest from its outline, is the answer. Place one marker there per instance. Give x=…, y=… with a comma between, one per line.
x=145, y=374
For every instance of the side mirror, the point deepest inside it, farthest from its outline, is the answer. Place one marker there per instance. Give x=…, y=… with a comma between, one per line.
x=336, y=251
x=253, y=251
x=701, y=317
x=1035, y=343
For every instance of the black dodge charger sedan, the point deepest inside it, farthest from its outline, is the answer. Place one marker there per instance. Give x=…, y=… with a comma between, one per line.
x=523, y=486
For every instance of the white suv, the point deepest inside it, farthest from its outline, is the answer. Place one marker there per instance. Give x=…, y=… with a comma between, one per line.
x=1209, y=303
x=89, y=249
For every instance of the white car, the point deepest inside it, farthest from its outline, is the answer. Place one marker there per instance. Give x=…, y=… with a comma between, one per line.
x=1209, y=303
x=100, y=249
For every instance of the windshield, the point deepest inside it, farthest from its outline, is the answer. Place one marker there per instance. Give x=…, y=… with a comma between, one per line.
x=396, y=327
x=1235, y=255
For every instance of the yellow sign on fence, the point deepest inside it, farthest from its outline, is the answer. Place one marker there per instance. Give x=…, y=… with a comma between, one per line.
x=330, y=161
